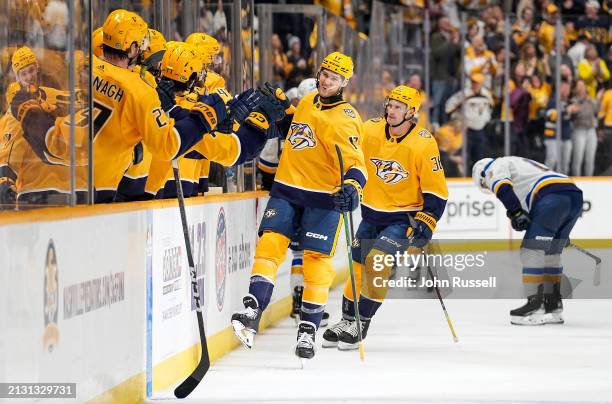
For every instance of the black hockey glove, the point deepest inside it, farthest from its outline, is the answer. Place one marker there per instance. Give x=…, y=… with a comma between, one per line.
x=519, y=218
x=243, y=104
x=421, y=234
x=165, y=92
x=348, y=196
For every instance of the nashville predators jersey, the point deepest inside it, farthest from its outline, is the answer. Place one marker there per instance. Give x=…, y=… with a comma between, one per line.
x=221, y=148
x=30, y=168
x=405, y=174
x=308, y=171
x=126, y=111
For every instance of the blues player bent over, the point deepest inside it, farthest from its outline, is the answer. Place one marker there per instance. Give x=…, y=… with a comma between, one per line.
x=305, y=196
x=546, y=204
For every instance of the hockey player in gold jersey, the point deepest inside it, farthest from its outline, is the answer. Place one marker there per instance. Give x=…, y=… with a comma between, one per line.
x=231, y=143
x=405, y=178
x=127, y=110
x=29, y=174
x=307, y=199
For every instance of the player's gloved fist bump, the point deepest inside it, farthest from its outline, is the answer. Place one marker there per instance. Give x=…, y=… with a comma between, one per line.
x=280, y=95
x=421, y=234
x=210, y=109
x=165, y=92
x=348, y=196
x=519, y=219
x=243, y=104
x=225, y=126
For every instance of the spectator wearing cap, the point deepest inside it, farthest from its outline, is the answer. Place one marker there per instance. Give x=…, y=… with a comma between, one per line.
x=297, y=61
x=546, y=33
x=445, y=55
x=476, y=104
x=593, y=70
x=583, y=110
x=478, y=59
x=597, y=25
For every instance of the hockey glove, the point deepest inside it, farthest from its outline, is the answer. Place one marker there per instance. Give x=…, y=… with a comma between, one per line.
x=165, y=92
x=277, y=93
x=242, y=105
x=519, y=218
x=347, y=198
x=421, y=234
x=22, y=103
x=211, y=110
x=7, y=191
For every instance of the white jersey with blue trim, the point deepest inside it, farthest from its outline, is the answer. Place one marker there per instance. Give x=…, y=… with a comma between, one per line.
x=527, y=177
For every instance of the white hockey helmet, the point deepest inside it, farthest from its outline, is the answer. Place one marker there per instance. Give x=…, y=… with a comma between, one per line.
x=292, y=93
x=306, y=86
x=478, y=173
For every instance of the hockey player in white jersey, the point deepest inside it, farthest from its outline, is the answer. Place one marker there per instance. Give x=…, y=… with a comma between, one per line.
x=546, y=205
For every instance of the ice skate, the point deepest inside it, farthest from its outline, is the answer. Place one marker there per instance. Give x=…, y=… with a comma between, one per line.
x=331, y=335
x=531, y=313
x=245, y=323
x=553, y=306
x=305, y=347
x=349, y=339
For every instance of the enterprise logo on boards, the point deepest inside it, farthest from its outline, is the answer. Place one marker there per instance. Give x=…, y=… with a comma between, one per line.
x=51, y=294
x=221, y=259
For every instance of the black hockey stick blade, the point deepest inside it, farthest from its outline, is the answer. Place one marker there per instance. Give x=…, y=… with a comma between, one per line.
x=185, y=388
x=189, y=384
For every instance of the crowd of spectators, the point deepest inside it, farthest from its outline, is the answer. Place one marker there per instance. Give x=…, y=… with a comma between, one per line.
x=478, y=109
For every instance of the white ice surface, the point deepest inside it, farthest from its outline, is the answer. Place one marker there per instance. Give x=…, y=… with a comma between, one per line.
x=411, y=357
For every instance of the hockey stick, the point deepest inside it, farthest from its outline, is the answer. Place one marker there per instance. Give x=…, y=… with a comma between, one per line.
x=189, y=384
x=349, y=242
x=436, y=288
x=597, y=275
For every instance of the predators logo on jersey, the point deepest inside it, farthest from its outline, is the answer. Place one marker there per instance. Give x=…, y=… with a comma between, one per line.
x=301, y=136
x=390, y=171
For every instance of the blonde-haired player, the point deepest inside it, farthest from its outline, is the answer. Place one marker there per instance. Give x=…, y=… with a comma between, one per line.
x=306, y=197
x=405, y=177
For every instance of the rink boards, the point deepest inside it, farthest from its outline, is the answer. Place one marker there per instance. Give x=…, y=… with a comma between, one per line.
x=100, y=295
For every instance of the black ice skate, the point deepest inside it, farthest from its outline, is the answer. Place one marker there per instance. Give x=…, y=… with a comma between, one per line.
x=348, y=339
x=553, y=306
x=324, y=320
x=298, y=291
x=246, y=322
x=305, y=347
x=532, y=313
x=331, y=335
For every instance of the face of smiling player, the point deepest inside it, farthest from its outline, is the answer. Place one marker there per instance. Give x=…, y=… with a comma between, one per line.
x=330, y=83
